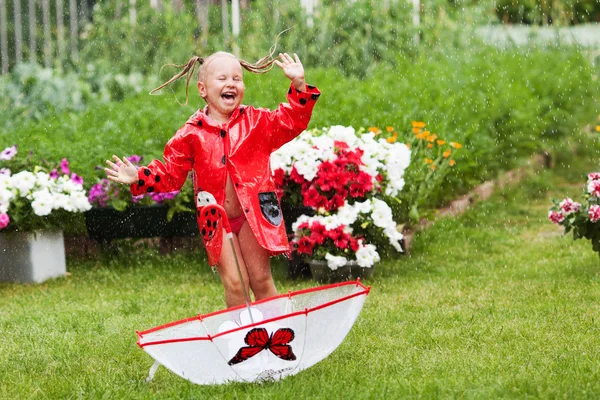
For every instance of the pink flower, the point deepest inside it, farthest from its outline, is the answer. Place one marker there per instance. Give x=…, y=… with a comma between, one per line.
x=64, y=166
x=4, y=220
x=8, y=153
x=556, y=217
x=594, y=213
x=76, y=179
x=135, y=159
x=594, y=188
x=593, y=176
x=53, y=174
x=569, y=206
x=4, y=171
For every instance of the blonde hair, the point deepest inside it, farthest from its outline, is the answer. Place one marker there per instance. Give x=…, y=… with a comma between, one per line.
x=260, y=67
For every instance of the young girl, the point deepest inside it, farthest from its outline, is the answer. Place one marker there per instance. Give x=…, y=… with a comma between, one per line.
x=227, y=146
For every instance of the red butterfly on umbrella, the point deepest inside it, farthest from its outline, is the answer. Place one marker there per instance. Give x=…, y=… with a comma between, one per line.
x=258, y=340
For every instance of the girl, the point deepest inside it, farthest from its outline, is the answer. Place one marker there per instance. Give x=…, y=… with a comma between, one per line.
x=227, y=146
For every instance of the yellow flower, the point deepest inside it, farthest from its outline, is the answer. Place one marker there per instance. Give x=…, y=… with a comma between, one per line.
x=455, y=145
x=418, y=124
x=426, y=134
x=433, y=167
x=428, y=160
x=447, y=153
x=392, y=139
x=390, y=129
x=429, y=145
x=416, y=130
x=441, y=142
x=432, y=137
x=597, y=128
x=452, y=162
x=420, y=136
x=374, y=130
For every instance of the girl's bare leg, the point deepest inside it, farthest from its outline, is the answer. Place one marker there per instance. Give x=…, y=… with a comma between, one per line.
x=234, y=294
x=258, y=264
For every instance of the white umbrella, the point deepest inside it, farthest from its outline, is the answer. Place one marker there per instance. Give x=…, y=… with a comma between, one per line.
x=267, y=339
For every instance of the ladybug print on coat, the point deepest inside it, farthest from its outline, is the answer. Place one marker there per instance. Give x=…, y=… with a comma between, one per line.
x=240, y=149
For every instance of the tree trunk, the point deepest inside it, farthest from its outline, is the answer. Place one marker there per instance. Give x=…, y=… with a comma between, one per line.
x=3, y=37
x=32, y=32
x=18, y=32
x=84, y=11
x=235, y=18
x=118, y=9
x=60, y=33
x=202, y=16
x=225, y=19
x=177, y=5
x=132, y=13
x=74, y=31
x=47, y=39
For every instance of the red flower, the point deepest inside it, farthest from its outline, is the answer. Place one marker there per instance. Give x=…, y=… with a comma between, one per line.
x=305, y=245
x=340, y=145
x=295, y=176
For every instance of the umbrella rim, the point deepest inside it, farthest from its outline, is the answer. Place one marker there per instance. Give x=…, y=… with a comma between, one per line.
x=199, y=317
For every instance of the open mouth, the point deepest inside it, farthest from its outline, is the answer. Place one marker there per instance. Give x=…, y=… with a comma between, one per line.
x=228, y=96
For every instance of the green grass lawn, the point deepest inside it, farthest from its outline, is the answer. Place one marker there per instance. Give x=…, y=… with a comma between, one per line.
x=492, y=304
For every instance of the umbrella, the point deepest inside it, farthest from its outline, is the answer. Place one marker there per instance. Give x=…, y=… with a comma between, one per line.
x=262, y=340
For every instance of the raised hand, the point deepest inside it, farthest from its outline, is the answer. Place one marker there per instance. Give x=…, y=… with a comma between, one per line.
x=293, y=69
x=121, y=171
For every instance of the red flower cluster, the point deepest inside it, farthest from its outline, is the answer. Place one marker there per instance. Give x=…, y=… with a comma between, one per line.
x=335, y=180
x=317, y=234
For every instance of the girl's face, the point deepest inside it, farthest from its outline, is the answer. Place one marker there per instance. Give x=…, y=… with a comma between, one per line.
x=222, y=86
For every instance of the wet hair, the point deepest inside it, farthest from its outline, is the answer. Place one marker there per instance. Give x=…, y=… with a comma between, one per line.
x=263, y=65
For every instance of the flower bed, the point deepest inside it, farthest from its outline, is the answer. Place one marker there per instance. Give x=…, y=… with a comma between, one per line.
x=344, y=176
x=37, y=195
x=581, y=218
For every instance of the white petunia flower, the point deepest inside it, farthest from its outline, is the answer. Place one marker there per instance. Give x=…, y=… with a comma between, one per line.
x=367, y=255
x=42, y=203
x=334, y=262
x=23, y=181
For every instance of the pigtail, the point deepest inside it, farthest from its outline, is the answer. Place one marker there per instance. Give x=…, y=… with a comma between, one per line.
x=262, y=66
x=265, y=64
x=185, y=69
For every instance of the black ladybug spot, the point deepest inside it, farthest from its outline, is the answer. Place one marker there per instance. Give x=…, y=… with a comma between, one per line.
x=150, y=189
x=223, y=133
x=206, y=214
x=223, y=160
x=242, y=110
x=314, y=96
x=310, y=86
x=141, y=182
x=209, y=223
x=157, y=179
x=200, y=123
x=290, y=91
x=246, y=210
x=303, y=101
x=146, y=172
x=213, y=211
x=298, y=91
x=203, y=232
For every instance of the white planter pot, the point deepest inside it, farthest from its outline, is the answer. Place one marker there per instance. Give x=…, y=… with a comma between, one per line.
x=32, y=257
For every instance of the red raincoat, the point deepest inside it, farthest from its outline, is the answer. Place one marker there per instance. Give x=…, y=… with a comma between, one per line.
x=241, y=148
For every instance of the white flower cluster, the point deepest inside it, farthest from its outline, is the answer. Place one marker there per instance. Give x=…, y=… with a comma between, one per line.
x=44, y=193
x=310, y=149
x=374, y=210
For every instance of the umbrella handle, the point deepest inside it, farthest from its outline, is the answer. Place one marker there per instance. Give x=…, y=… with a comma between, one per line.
x=207, y=218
